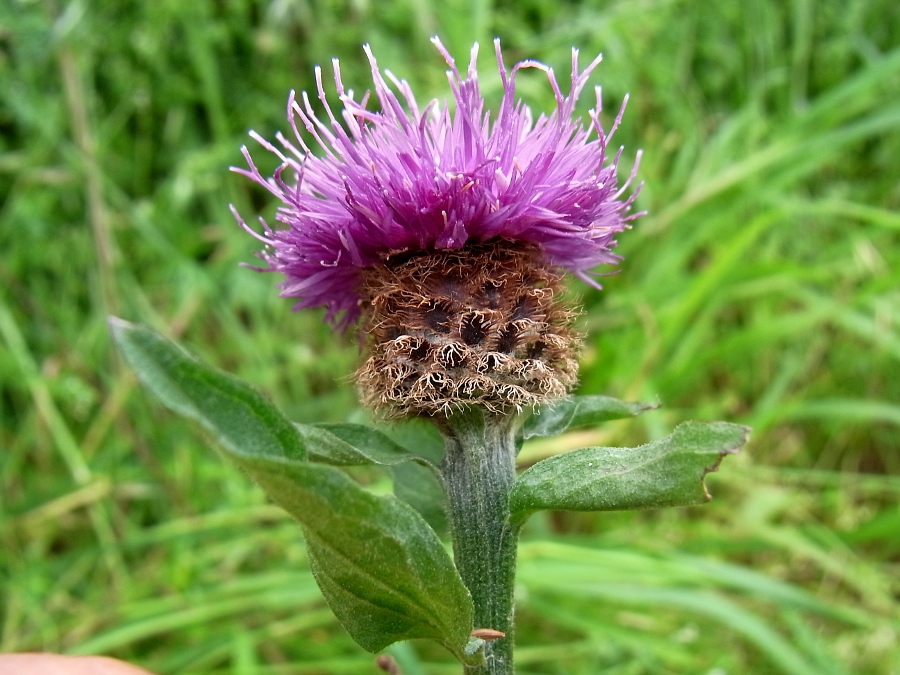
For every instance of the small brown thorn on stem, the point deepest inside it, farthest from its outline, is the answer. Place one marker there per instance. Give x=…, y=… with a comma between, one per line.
x=387, y=663
x=487, y=634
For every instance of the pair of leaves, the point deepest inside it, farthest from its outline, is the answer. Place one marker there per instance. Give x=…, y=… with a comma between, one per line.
x=382, y=569
x=667, y=472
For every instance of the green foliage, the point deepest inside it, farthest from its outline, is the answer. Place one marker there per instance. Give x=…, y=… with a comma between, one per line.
x=667, y=472
x=761, y=288
x=353, y=445
x=382, y=569
x=243, y=421
x=578, y=412
x=420, y=487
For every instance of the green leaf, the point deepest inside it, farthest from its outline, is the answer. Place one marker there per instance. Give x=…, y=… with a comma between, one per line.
x=352, y=445
x=382, y=569
x=579, y=411
x=667, y=472
x=420, y=437
x=415, y=481
x=241, y=418
x=419, y=486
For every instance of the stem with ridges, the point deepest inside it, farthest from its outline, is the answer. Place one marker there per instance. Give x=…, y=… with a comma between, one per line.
x=479, y=470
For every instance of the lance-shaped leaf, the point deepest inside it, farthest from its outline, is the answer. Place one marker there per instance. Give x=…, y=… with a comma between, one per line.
x=415, y=480
x=352, y=445
x=241, y=418
x=667, y=472
x=382, y=569
x=579, y=411
x=420, y=437
x=415, y=483
x=419, y=486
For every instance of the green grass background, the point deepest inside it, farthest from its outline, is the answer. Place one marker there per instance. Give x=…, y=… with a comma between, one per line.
x=762, y=288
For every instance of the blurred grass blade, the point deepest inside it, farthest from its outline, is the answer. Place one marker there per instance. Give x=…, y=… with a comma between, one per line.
x=780, y=652
x=274, y=593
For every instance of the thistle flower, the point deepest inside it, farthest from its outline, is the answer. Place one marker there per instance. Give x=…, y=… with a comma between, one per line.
x=446, y=232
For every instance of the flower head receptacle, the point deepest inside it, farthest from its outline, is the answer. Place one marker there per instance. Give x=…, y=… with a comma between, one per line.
x=481, y=325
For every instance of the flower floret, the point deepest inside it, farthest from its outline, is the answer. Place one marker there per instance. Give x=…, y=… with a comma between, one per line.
x=404, y=179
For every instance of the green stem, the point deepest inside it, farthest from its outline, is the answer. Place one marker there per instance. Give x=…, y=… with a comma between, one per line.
x=479, y=470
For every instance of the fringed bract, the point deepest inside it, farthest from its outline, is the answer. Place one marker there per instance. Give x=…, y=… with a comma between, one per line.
x=478, y=325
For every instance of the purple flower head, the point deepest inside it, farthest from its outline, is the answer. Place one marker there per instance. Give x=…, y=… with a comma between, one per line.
x=408, y=179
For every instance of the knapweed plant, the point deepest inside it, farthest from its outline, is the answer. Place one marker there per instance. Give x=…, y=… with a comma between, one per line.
x=443, y=233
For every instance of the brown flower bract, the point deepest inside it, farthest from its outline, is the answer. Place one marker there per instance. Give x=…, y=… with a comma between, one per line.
x=481, y=325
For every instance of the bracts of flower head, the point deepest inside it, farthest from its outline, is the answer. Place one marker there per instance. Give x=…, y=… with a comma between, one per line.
x=446, y=230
